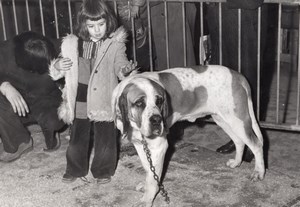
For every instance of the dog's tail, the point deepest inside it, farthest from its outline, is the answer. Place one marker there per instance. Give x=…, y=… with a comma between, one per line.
x=255, y=126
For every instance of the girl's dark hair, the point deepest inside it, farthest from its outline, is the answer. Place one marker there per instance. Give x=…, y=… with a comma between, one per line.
x=94, y=10
x=34, y=52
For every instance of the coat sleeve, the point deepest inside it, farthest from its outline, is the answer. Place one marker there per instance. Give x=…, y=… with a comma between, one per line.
x=69, y=48
x=123, y=67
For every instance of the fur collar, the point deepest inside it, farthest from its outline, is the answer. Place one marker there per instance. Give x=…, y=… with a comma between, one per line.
x=120, y=35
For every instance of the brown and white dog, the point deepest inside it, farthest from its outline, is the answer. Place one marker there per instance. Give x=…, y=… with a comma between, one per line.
x=148, y=104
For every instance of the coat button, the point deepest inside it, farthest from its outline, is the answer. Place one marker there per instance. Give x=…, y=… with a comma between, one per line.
x=96, y=71
x=95, y=89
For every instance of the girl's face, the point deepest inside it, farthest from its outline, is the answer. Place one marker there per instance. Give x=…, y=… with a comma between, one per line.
x=96, y=29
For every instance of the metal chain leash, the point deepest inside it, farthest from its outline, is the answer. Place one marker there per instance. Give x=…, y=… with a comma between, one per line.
x=163, y=192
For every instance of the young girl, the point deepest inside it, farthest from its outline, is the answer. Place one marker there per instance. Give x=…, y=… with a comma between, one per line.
x=92, y=65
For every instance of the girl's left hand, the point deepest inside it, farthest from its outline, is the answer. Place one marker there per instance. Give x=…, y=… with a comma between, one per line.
x=129, y=68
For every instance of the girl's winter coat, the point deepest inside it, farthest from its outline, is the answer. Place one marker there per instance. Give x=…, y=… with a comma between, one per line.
x=106, y=72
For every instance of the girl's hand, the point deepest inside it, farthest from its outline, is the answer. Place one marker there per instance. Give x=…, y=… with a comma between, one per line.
x=63, y=64
x=127, y=69
x=15, y=98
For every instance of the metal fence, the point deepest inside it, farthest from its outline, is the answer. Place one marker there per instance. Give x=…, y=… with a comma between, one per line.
x=55, y=18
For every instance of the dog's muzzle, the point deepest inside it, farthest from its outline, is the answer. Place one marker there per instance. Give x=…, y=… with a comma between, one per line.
x=156, y=124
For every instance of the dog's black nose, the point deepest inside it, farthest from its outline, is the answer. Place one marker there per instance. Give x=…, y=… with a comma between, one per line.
x=155, y=119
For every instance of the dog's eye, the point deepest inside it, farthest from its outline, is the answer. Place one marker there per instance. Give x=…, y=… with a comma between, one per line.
x=139, y=103
x=159, y=101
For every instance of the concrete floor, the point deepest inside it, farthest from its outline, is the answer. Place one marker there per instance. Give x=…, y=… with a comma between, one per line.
x=282, y=160
x=196, y=176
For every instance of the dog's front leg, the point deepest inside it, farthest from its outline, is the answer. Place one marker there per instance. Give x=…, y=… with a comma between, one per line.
x=157, y=148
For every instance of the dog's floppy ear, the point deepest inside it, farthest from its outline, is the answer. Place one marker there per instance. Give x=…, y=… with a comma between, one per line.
x=120, y=108
x=122, y=116
x=165, y=111
x=121, y=112
x=165, y=105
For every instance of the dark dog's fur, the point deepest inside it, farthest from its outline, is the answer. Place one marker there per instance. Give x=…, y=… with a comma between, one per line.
x=33, y=52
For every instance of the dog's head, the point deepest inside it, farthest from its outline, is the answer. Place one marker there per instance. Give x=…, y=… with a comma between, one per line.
x=140, y=104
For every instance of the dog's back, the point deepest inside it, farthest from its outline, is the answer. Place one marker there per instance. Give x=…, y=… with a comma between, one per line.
x=204, y=90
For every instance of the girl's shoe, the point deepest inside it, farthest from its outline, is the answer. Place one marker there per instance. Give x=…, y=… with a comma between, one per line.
x=67, y=178
x=103, y=180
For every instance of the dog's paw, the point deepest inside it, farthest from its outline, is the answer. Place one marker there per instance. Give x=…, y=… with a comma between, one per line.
x=232, y=163
x=256, y=176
